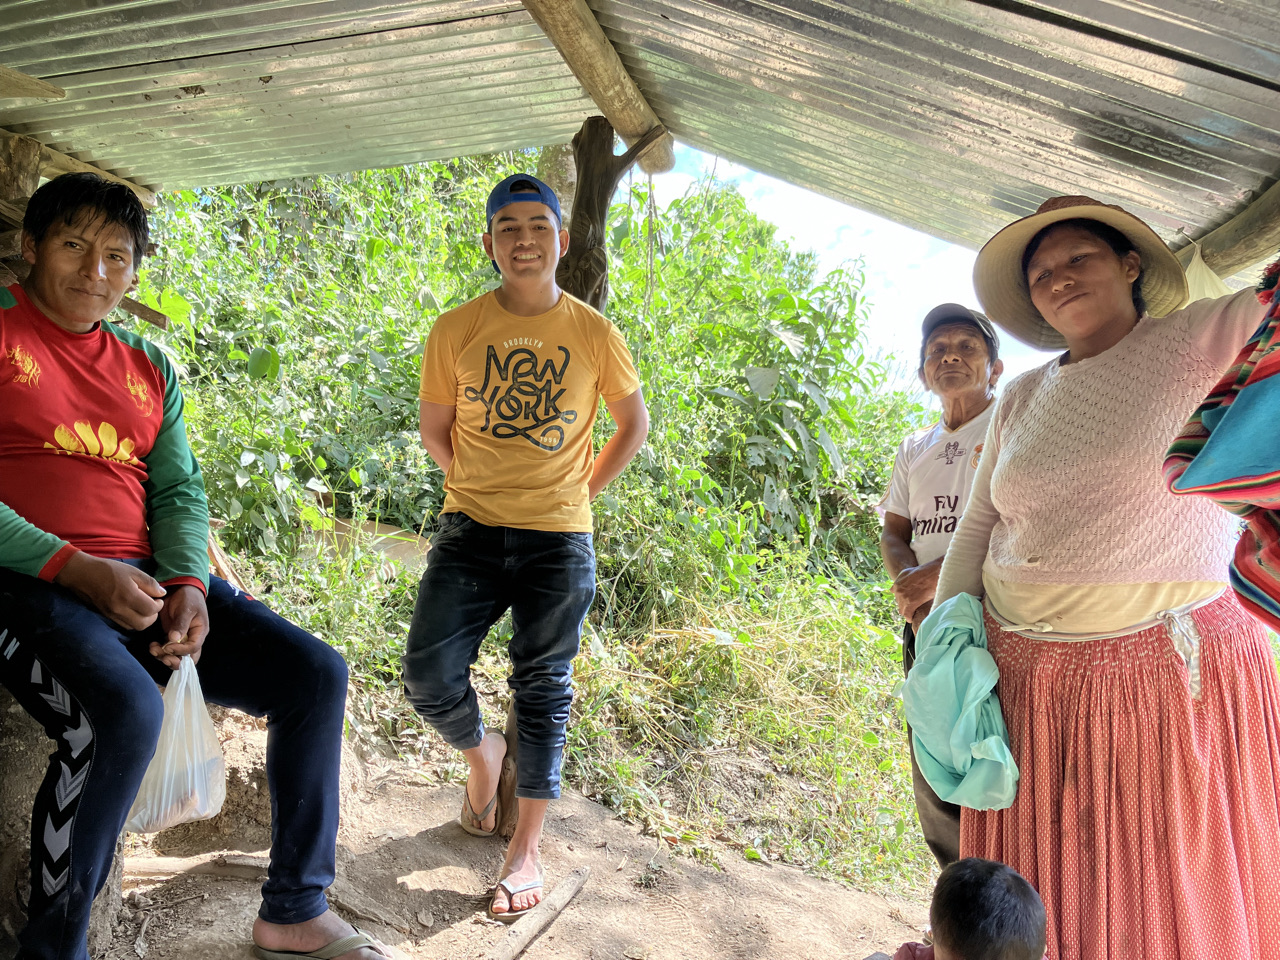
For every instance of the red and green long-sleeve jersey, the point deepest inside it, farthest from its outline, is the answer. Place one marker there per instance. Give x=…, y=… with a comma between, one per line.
x=93, y=450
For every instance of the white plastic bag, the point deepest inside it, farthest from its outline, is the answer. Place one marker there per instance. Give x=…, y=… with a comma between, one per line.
x=187, y=778
x=1202, y=282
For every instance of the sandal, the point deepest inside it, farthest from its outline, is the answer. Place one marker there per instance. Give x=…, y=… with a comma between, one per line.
x=472, y=822
x=511, y=916
x=335, y=949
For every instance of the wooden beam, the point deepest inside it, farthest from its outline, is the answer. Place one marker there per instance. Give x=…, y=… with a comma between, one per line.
x=54, y=163
x=19, y=86
x=573, y=28
x=143, y=312
x=10, y=244
x=1249, y=237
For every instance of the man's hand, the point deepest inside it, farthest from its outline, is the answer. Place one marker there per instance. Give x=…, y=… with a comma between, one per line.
x=185, y=620
x=918, y=616
x=915, y=586
x=121, y=593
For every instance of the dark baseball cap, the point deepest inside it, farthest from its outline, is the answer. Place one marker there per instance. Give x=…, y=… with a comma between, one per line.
x=518, y=188
x=946, y=313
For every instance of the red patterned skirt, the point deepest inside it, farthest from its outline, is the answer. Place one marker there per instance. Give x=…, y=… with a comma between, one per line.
x=1148, y=821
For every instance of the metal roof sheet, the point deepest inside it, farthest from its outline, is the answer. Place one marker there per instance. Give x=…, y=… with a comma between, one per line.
x=950, y=116
x=954, y=117
x=174, y=93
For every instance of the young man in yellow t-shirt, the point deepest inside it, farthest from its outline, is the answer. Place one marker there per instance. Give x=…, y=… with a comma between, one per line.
x=511, y=382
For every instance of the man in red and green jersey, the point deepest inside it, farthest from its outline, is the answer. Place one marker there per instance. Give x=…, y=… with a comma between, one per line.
x=104, y=587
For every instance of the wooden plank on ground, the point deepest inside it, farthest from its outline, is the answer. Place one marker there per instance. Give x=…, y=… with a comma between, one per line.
x=527, y=928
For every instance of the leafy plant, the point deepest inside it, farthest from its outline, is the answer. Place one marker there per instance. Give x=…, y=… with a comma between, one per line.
x=741, y=607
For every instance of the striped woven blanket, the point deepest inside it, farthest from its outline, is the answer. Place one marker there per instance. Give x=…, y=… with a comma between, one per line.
x=1229, y=451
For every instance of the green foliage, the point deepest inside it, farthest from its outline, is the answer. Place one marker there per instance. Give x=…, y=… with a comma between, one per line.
x=741, y=610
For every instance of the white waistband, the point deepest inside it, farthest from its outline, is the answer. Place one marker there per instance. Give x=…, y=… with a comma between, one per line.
x=1045, y=631
x=1177, y=622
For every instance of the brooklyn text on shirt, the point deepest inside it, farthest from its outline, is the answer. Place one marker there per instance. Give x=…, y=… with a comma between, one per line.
x=521, y=342
x=521, y=392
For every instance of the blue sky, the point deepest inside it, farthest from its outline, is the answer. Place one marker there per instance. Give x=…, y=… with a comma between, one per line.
x=907, y=272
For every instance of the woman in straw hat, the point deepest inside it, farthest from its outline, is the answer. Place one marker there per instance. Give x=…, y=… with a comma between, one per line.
x=1141, y=700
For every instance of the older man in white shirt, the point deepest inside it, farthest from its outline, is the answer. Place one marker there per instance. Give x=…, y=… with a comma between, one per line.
x=934, y=469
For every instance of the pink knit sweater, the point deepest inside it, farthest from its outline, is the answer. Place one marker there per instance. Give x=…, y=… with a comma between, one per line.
x=1069, y=488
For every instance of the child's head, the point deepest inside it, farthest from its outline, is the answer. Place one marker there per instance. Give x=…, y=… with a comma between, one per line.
x=983, y=910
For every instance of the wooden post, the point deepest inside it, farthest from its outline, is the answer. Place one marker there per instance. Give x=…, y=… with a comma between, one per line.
x=508, y=803
x=573, y=28
x=584, y=271
x=19, y=167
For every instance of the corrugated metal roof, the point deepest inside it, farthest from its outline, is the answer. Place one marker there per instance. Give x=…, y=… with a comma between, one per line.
x=953, y=117
x=184, y=93
x=947, y=115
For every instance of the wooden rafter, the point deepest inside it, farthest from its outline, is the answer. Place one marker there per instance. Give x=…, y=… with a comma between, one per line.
x=1249, y=237
x=19, y=86
x=54, y=163
x=573, y=28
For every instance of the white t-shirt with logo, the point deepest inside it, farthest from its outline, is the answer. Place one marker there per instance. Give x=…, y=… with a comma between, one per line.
x=932, y=475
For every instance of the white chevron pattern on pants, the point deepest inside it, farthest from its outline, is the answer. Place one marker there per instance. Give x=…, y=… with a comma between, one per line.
x=56, y=841
x=69, y=785
x=53, y=884
x=79, y=737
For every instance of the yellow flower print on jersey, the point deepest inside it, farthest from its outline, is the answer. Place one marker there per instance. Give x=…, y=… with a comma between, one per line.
x=102, y=443
x=140, y=392
x=28, y=369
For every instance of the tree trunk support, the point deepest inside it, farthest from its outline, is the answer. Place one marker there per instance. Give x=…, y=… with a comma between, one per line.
x=584, y=271
x=573, y=28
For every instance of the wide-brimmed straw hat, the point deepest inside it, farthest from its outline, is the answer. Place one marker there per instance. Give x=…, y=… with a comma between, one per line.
x=1002, y=287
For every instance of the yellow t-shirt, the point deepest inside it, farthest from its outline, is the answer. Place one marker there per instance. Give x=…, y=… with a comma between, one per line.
x=526, y=391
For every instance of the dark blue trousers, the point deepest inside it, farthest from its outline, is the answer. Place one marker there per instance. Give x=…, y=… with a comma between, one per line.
x=474, y=574
x=92, y=686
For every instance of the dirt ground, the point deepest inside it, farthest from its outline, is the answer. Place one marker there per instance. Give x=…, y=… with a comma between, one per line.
x=409, y=874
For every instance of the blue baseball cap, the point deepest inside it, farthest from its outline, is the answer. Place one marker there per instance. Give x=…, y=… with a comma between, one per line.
x=519, y=188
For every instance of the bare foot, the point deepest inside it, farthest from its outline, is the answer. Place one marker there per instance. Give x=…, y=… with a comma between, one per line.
x=311, y=935
x=482, y=782
x=519, y=869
